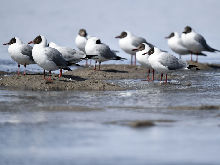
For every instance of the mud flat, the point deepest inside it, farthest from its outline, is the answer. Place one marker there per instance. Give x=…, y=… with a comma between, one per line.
x=83, y=78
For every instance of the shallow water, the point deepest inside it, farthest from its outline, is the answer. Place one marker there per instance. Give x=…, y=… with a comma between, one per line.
x=86, y=127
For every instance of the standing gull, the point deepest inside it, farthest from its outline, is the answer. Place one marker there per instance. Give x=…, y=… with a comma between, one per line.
x=101, y=51
x=81, y=40
x=20, y=53
x=128, y=42
x=142, y=58
x=164, y=62
x=176, y=44
x=47, y=58
x=195, y=42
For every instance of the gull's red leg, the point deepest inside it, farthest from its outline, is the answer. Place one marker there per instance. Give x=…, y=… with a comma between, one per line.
x=95, y=65
x=153, y=75
x=99, y=65
x=161, y=77
x=18, y=69
x=24, y=69
x=148, y=75
x=50, y=75
x=166, y=78
x=44, y=74
x=61, y=73
x=135, y=60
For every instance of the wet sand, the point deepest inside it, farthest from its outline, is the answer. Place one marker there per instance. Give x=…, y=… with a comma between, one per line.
x=84, y=78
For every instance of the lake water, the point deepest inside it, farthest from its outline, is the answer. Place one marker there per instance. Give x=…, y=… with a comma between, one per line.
x=83, y=127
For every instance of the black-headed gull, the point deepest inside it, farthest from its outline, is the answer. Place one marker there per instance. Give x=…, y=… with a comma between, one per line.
x=128, y=42
x=20, y=53
x=102, y=52
x=81, y=40
x=72, y=56
x=164, y=62
x=175, y=43
x=46, y=57
x=142, y=58
x=195, y=42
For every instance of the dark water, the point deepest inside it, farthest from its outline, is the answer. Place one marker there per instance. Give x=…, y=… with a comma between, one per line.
x=82, y=127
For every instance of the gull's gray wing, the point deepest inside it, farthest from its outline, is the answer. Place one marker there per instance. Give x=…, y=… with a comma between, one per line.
x=139, y=40
x=55, y=56
x=73, y=55
x=109, y=54
x=199, y=38
x=27, y=51
x=106, y=52
x=171, y=62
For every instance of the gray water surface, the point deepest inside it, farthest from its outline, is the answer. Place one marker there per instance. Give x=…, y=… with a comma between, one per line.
x=83, y=127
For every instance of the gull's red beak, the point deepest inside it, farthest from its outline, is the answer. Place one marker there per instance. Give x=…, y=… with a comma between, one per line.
x=31, y=42
x=6, y=44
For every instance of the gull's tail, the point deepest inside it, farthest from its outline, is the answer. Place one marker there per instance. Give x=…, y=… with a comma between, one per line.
x=210, y=49
x=66, y=68
x=89, y=56
x=119, y=58
x=192, y=67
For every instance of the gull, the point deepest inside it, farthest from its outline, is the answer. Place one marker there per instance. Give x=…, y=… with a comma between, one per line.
x=46, y=57
x=164, y=62
x=101, y=51
x=81, y=40
x=128, y=42
x=20, y=53
x=176, y=45
x=70, y=55
x=195, y=42
x=142, y=58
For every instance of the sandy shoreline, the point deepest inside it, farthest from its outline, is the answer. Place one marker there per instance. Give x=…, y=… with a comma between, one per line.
x=84, y=78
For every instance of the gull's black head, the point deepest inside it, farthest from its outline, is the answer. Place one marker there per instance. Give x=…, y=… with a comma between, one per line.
x=37, y=40
x=187, y=29
x=12, y=41
x=82, y=33
x=170, y=36
x=151, y=51
x=98, y=41
x=139, y=48
x=122, y=35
